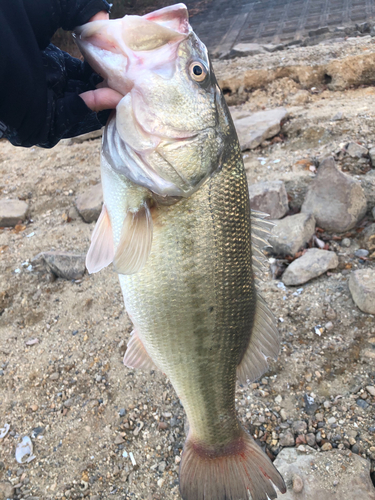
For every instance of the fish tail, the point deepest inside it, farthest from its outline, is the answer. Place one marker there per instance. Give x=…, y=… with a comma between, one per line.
x=228, y=473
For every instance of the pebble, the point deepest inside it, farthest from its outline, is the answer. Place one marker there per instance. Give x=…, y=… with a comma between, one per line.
x=163, y=425
x=355, y=150
x=299, y=427
x=326, y=447
x=362, y=289
x=331, y=420
x=89, y=203
x=269, y=197
x=65, y=265
x=6, y=490
x=297, y=483
x=328, y=326
x=312, y=264
x=371, y=390
x=34, y=407
x=287, y=439
x=291, y=233
x=12, y=212
x=160, y=482
x=361, y=252
x=336, y=200
x=254, y=128
x=122, y=412
x=346, y=243
x=362, y=403
x=310, y=439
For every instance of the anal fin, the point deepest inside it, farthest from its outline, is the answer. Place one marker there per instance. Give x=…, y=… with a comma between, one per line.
x=135, y=242
x=264, y=343
x=101, y=251
x=136, y=355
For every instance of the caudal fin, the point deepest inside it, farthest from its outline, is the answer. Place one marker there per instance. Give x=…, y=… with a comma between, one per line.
x=228, y=473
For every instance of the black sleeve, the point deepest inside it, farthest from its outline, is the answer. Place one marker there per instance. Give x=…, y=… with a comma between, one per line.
x=27, y=100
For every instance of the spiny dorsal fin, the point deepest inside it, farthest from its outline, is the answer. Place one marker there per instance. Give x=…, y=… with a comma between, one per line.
x=135, y=242
x=101, y=251
x=136, y=355
x=264, y=343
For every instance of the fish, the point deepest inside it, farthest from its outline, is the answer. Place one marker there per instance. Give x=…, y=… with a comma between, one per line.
x=177, y=226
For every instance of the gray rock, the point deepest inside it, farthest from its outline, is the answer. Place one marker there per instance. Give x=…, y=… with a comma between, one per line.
x=368, y=185
x=362, y=288
x=334, y=474
x=12, y=212
x=66, y=265
x=299, y=427
x=336, y=200
x=356, y=150
x=287, y=438
x=270, y=47
x=292, y=233
x=312, y=264
x=346, y=243
x=253, y=129
x=373, y=213
x=6, y=490
x=310, y=439
x=89, y=204
x=269, y=197
x=368, y=238
x=372, y=156
x=361, y=252
x=246, y=49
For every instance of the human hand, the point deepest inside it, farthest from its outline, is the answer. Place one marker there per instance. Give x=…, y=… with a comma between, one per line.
x=103, y=98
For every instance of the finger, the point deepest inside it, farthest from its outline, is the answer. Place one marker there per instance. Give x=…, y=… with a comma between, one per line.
x=100, y=16
x=100, y=99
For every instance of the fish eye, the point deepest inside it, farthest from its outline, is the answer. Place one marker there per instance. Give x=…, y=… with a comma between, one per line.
x=198, y=72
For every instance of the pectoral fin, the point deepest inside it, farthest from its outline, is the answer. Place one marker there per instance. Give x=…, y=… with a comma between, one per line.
x=101, y=251
x=135, y=243
x=136, y=355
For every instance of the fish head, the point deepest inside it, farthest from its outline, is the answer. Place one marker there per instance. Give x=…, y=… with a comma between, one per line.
x=168, y=130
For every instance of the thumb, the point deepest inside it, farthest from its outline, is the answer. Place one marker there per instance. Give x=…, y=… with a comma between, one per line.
x=101, y=99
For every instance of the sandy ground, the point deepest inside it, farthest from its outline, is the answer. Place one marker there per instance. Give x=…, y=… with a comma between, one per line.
x=90, y=411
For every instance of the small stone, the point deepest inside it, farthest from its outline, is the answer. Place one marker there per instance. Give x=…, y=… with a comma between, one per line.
x=68, y=403
x=361, y=252
x=163, y=425
x=54, y=376
x=313, y=263
x=160, y=482
x=246, y=49
x=119, y=439
x=270, y=198
x=122, y=412
x=326, y=447
x=310, y=439
x=319, y=417
x=66, y=265
x=336, y=200
x=283, y=415
x=299, y=427
x=362, y=403
x=331, y=420
x=338, y=116
x=89, y=204
x=255, y=128
x=6, y=490
x=371, y=390
x=328, y=326
x=331, y=313
x=301, y=439
x=278, y=399
x=161, y=467
x=362, y=289
x=291, y=233
x=327, y=405
x=346, y=243
x=287, y=439
x=34, y=407
x=372, y=156
x=12, y=212
x=297, y=483
x=356, y=150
